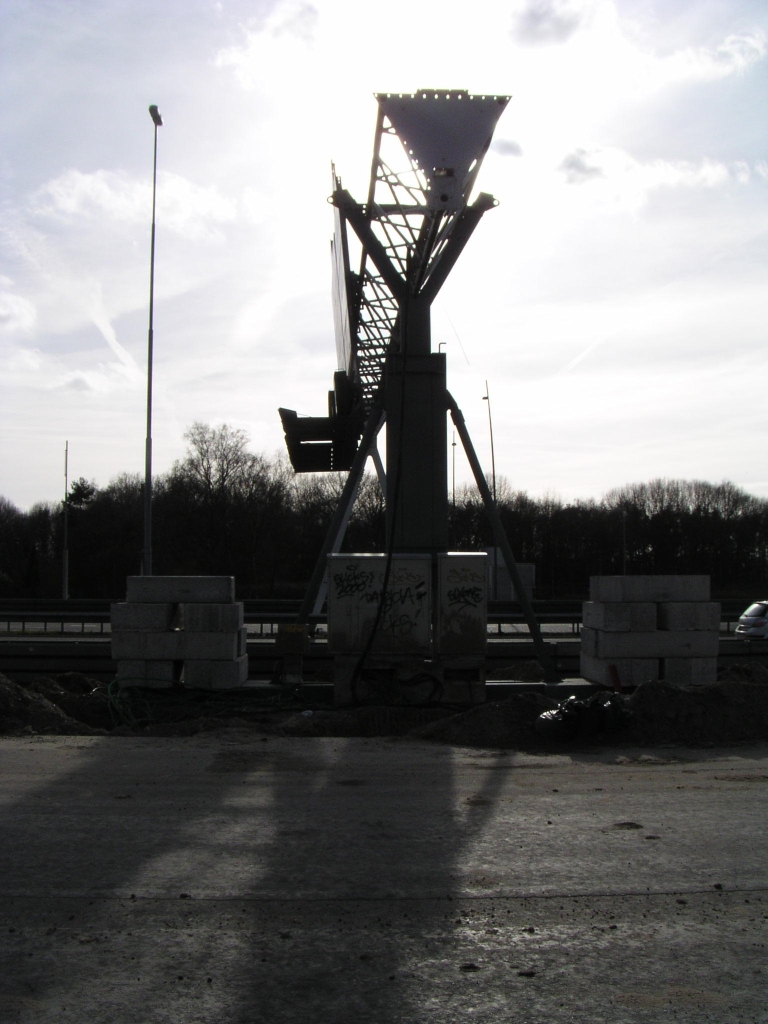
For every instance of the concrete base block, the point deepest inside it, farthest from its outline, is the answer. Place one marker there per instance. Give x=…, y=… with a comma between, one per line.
x=689, y=671
x=216, y=675
x=355, y=583
x=156, y=675
x=619, y=616
x=178, y=646
x=142, y=618
x=649, y=588
x=690, y=615
x=212, y=618
x=181, y=589
x=461, y=625
x=659, y=644
x=631, y=671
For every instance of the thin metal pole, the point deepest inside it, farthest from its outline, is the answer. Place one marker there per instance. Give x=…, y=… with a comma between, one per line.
x=146, y=562
x=65, y=553
x=624, y=542
x=487, y=398
x=495, y=567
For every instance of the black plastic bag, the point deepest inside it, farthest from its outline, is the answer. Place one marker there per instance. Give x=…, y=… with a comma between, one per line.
x=602, y=712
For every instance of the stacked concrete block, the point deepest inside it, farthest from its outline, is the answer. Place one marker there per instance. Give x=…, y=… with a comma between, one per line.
x=180, y=630
x=639, y=628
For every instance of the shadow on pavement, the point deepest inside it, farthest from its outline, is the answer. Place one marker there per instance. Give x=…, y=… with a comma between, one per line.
x=226, y=879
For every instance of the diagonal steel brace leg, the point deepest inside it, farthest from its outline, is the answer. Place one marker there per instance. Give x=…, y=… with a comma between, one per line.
x=343, y=510
x=551, y=674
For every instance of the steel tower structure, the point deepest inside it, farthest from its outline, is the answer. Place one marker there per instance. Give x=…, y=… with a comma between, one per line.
x=402, y=242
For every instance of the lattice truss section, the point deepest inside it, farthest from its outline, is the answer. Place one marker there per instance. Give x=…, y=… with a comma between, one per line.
x=413, y=237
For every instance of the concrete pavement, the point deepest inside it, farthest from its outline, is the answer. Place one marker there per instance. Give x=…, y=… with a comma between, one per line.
x=232, y=877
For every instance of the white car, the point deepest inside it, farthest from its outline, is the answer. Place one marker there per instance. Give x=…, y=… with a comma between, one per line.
x=753, y=624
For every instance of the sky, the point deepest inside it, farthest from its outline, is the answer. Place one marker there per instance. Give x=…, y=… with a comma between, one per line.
x=615, y=301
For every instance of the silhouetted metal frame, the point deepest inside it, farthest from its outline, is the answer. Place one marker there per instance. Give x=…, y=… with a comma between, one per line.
x=551, y=674
x=343, y=508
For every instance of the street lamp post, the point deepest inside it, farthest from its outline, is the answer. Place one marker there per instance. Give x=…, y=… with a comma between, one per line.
x=65, y=553
x=487, y=398
x=146, y=562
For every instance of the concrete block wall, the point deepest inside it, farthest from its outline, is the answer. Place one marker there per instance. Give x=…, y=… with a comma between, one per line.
x=641, y=628
x=180, y=630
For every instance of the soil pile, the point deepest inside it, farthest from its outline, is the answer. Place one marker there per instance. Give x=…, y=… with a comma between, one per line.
x=25, y=710
x=505, y=724
x=78, y=697
x=733, y=710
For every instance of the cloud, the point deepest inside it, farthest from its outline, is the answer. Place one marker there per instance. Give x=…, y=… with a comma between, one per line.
x=19, y=361
x=17, y=314
x=288, y=33
x=547, y=22
x=576, y=168
x=625, y=182
x=300, y=20
x=77, y=381
x=507, y=147
x=33, y=369
x=736, y=53
x=81, y=289
x=93, y=303
x=647, y=72
x=191, y=211
x=578, y=358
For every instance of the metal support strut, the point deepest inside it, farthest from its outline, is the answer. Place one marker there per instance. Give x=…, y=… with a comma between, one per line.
x=344, y=507
x=551, y=674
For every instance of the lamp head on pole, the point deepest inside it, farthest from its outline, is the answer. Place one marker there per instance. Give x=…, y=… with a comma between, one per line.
x=154, y=113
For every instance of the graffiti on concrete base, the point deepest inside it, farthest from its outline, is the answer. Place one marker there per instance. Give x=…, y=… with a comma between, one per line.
x=465, y=597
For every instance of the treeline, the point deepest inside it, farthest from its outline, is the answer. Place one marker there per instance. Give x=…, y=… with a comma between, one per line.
x=225, y=510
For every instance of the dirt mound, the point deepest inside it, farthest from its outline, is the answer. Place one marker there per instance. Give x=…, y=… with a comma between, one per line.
x=505, y=724
x=752, y=672
x=77, y=696
x=733, y=710
x=729, y=711
x=366, y=721
x=24, y=710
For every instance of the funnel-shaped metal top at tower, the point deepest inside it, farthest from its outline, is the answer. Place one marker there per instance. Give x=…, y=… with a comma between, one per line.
x=446, y=133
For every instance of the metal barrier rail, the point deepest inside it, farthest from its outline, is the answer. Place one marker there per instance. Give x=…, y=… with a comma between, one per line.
x=88, y=617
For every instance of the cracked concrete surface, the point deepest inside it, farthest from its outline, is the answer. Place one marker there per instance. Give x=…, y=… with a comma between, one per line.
x=233, y=878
